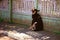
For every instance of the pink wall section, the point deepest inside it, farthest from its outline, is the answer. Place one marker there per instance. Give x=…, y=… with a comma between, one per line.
x=4, y=5
x=24, y=6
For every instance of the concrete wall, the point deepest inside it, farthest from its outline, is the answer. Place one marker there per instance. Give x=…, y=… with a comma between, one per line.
x=50, y=16
x=23, y=16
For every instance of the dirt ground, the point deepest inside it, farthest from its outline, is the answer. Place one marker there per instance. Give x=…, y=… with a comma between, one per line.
x=34, y=34
x=6, y=38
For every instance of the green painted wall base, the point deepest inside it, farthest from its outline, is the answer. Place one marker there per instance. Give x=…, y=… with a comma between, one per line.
x=56, y=32
x=11, y=22
x=1, y=20
x=50, y=23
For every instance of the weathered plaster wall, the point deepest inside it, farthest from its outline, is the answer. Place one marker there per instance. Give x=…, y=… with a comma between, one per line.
x=22, y=14
x=50, y=17
x=4, y=9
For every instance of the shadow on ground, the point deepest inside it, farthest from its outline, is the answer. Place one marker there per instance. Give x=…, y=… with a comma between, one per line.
x=35, y=34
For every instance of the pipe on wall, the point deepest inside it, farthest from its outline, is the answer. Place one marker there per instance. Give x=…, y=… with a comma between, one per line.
x=10, y=11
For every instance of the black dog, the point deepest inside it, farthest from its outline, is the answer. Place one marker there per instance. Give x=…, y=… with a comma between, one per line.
x=37, y=23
